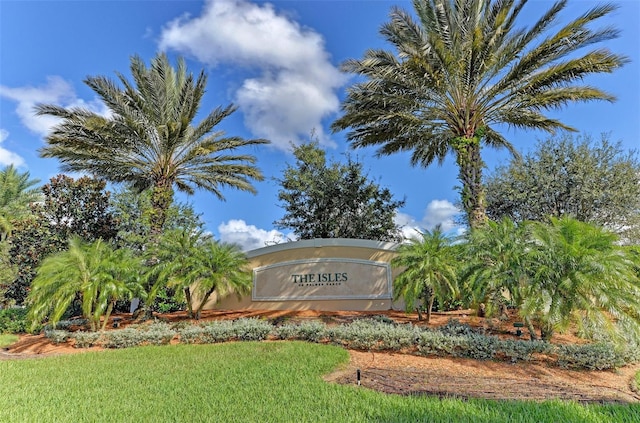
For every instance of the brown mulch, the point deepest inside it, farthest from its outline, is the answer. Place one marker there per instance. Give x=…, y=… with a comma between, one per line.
x=406, y=374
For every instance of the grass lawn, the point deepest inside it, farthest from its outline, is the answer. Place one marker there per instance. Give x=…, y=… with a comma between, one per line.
x=239, y=382
x=7, y=339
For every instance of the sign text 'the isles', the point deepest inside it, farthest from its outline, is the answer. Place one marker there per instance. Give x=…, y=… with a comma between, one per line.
x=319, y=277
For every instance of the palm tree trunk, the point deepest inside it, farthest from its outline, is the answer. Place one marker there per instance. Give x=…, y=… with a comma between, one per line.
x=187, y=296
x=532, y=330
x=470, y=175
x=204, y=300
x=432, y=298
x=107, y=314
x=161, y=199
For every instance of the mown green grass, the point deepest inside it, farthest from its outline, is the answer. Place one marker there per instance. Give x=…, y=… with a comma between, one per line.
x=637, y=380
x=7, y=339
x=240, y=382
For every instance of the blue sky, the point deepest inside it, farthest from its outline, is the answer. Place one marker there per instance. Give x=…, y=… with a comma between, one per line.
x=278, y=61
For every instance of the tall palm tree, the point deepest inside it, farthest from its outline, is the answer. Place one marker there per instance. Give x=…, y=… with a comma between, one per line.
x=462, y=68
x=17, y=193
x=429, y=271
x=95, y=271
x=149, y=140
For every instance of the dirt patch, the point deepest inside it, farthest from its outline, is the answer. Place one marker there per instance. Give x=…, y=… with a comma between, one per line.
x=406, y=374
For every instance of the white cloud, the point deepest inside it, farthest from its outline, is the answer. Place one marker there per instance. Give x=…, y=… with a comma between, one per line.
x=296, y=83
x=248, y=237
x=440, y=212
x=410, y=228
x=7, y=157
x=437, y=212
x=55, y=91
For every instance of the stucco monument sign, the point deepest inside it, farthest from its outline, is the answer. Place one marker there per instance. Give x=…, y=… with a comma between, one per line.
x=322, y=279
x=319, y=274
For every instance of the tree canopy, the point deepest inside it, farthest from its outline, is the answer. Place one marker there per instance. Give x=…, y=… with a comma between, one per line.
x=460, y=69
x=558, y=273
x=149, y=139
x=592, y=181
x=69, y=207
x=334, y=200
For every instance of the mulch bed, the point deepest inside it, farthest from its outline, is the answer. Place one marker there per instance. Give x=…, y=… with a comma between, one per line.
x=404, y=374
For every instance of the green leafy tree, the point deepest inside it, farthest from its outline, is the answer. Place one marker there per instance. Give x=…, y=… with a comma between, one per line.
x=95, y=271
x=199, y=267
x=334, y=200
x=7, y=275
x=430, y=271
x=149, y=139
x=133, y=212
x=594, y=182
x=461, y=69
x=17, y=193
x=69, y=207
x=78, y=207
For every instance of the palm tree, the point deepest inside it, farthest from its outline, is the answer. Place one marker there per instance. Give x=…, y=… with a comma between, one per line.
x=557, y=273
x=149, y=139
x=497, y=267
x=16, y=195
x=579, y=275
x=201, y=266
x=429, y=264
x=176, y=252
x=461, y=69
x=96, y=272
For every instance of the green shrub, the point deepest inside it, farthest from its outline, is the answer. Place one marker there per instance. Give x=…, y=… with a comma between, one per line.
x=122, y=338
x=360, y=334
x=226, y=330
x=589, y=356
x=13, y=320
x=85, y=339
x=312, y=331
x=381, y=318
x=166, y=302
x=478, y=347
x=398, y=337
x=191, y=334
x=372, y=334
x=157, y=334
x=631, y=353
x=218, y=331
x=520, y=350
x=251, y=329
x=57, y=336
x=67, y=323
x=454, y=327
